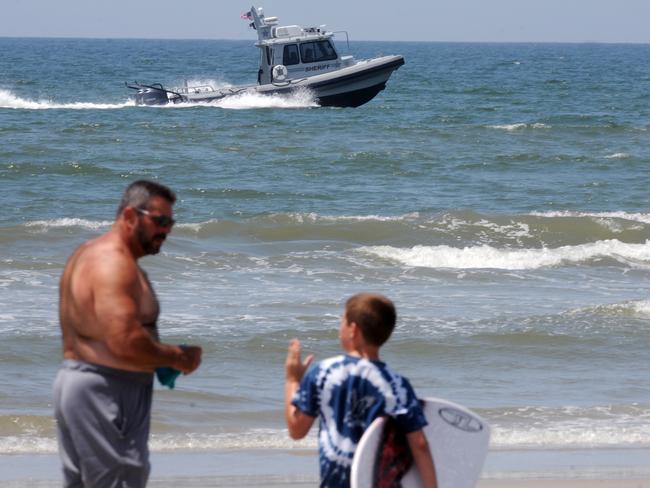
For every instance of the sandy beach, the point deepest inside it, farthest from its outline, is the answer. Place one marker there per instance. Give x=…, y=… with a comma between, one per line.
x=298, y=468
x=619, y=483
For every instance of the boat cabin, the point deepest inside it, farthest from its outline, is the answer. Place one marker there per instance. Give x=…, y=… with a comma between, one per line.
x=293, y=52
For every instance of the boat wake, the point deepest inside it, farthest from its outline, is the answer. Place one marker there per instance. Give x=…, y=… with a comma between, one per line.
x=248, y=101
x=303, y=98
x=299, y=99
x=9, y=100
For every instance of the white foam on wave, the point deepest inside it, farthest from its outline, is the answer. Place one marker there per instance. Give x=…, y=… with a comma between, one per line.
x=9, y=100
x=314, y=217
x=572, y=427
x=620, y=155
x=573, y=433
x=195, y=227
x=32, y=443
x=27, y=445
x=522, y=427
x=519, y=126
x=631, y=308
x=641, y=307
x=310, y=217
x=487, y=257
x=638, y=217
x=68, y=222
x=512, y=229
x=252, y=439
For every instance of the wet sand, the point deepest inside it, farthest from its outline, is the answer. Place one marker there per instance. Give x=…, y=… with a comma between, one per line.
x=298, y=468
x=589, y=483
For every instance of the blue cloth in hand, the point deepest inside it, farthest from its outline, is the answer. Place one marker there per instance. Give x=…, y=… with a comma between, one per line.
x=167, y=376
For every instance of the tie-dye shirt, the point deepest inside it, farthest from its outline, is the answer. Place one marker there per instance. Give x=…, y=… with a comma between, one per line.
x=348, y=393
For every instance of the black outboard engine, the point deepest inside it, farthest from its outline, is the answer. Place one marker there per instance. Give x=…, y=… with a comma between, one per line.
x=154, y=94
x=151, y=96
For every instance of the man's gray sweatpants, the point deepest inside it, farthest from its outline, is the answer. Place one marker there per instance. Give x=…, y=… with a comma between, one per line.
x=103, y=417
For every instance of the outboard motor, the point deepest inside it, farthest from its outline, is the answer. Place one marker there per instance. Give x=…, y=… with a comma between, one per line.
x=151, y=95
x=154, y=94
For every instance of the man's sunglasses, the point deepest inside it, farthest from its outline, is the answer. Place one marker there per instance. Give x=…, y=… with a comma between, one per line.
x=159, y=220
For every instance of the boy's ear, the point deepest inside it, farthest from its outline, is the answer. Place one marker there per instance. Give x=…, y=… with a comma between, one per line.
x=354, y=329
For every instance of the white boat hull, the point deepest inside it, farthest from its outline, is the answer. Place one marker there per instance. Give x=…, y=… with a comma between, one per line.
x=351, y=86
x=355, y=85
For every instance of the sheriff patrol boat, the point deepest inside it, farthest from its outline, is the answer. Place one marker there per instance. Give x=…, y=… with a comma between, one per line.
x=291, y=58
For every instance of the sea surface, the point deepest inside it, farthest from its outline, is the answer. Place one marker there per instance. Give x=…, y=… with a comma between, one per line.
x=498, y=193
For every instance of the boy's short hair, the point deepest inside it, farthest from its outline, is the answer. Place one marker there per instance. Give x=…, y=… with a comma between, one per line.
x=374, y=314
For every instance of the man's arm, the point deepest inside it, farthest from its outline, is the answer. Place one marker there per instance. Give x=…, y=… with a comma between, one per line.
x=298, y=422
x=115, y=286
x=422, y=456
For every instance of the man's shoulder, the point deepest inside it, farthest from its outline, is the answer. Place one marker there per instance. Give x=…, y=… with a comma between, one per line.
x=110, y=246
x=102, y=256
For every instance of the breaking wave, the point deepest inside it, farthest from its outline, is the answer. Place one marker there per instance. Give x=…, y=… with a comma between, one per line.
x=535, y=239
x=610, y=426
x=487, y=257
x=526, y=427
x=513, y=127
x=620, y=155
x=634, y=308
x=44, y=225
x=635, y=217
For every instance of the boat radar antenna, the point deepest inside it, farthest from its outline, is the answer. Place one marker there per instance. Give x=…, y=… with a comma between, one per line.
x=262, y=24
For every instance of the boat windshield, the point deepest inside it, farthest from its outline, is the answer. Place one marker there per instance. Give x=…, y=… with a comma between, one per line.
x=316, y=51
x=290, y=55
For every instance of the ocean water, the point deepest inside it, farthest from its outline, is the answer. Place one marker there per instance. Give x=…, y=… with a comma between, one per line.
x=497, y=192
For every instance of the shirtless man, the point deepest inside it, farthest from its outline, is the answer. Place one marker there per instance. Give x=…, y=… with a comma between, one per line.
x=108, y=312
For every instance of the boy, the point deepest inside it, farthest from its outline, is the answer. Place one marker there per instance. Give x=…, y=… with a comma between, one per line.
x=349, y=391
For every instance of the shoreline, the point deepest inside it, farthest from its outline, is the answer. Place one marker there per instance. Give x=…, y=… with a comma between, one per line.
x=577, y=483
x=610, y=468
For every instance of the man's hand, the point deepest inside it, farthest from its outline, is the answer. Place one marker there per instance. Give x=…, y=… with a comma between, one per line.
x=189, y=359
x=295, y=368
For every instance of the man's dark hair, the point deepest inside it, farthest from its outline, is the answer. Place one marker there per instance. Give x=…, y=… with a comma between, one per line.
x=138, y=194
x=374, y=314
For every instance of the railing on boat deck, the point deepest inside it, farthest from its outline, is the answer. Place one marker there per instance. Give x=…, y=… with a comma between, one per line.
x=186, y=90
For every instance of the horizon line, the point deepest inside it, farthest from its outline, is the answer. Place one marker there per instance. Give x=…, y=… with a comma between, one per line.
x=358, y=40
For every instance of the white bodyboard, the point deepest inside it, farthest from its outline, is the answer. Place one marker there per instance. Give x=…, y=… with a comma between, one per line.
x=458, y=440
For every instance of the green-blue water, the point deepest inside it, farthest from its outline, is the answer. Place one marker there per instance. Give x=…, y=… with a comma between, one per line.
x=497, y=192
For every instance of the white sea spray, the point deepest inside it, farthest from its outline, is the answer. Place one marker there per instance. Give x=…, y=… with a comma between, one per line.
x=9, y=100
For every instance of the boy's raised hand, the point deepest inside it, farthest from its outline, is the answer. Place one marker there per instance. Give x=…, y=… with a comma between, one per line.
x=298, y=423
x=294, y=367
